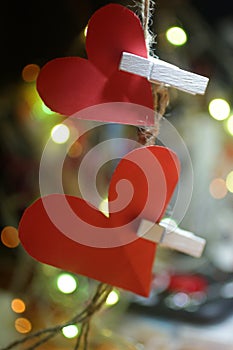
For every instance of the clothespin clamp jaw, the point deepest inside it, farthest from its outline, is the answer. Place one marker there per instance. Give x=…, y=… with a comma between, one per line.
x=172, y=237
x=161, y=72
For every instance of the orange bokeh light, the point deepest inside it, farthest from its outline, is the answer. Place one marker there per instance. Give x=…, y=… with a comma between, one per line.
x=23, y=325
x=18, y=306
x=217, y=188
x=75, y=150
x=10, y=237
x=30, y=72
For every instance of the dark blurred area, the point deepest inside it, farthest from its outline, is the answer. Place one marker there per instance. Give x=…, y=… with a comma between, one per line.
x=41, y=30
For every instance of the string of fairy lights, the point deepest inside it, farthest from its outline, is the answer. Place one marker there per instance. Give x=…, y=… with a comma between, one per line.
x=219, y=109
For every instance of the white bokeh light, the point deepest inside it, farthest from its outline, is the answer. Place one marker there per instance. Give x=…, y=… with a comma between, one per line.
x=66, y=283
x=112, y=298
x=219, y=109
x=70, y=331
x=60, y=133
x=176, y=36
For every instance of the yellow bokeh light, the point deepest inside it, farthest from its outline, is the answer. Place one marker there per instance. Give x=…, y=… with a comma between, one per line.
x=70, y=331
x=103, y=207
x=66, y=283
x=10, y=237
x=176, y=36
x=112, y=298
x=46, y=109
x=23, y=325
x=219, y=109
x=229, y=182
x=30, y=72
x=229, y=125
x=18, y=306
x=60, y=133
x=85, y=31
x=217, y=188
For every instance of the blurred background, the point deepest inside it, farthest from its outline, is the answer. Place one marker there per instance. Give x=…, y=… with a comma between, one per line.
x=190, y=296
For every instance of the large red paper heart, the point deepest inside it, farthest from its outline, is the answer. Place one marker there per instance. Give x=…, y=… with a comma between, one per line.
x=67, y=85
x=112, y=252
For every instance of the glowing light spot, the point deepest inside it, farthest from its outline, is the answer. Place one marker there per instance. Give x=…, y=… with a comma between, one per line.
x=60, y=133
x=18, y=306
x=229, y=182
x=85, y=31
x=10, y=237
x=46, y=109
x=181, y=300
x=75, y=150
x=219, y=109
x=103, y=207
x=217, y=188
x=176, y=36
x=30, y=72
x=66, y=283
x=70, y=331
x=229, y=125
x=107, y=333
x=112, y=298
x=23, y=325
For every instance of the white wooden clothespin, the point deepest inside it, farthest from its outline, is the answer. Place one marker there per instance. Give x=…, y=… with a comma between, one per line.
x=170, y=236
x=161, y=72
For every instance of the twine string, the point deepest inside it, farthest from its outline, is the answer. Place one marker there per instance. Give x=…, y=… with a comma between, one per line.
x=145, y=20
x=147, y=135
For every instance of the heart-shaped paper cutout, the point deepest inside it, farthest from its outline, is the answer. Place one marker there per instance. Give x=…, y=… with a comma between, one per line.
x=68, y=85
x=56, y=240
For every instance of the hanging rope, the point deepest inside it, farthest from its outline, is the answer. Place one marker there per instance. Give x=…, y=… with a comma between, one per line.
x=147, y=135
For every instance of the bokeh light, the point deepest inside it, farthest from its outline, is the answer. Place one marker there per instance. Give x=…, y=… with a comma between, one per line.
x=229, y=182
x=18, y=306
x=103, y=207
x=60, y=133
x=10, y=237
x=229, y=125
x=23, y=325
x=176, y=36
x=217, y=188
x=85, y=31
x=30, y=72
x=75, y=150
x=112, y=298
x=70, y=331
x=219, y=109
x=46, y=109
x=66, y=283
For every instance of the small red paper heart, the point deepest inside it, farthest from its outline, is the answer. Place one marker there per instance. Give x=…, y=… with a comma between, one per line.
x=106, y=249
x=68, y=85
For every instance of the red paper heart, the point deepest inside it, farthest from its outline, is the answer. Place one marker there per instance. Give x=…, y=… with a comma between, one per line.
x=54, y=239
x=67, y=85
